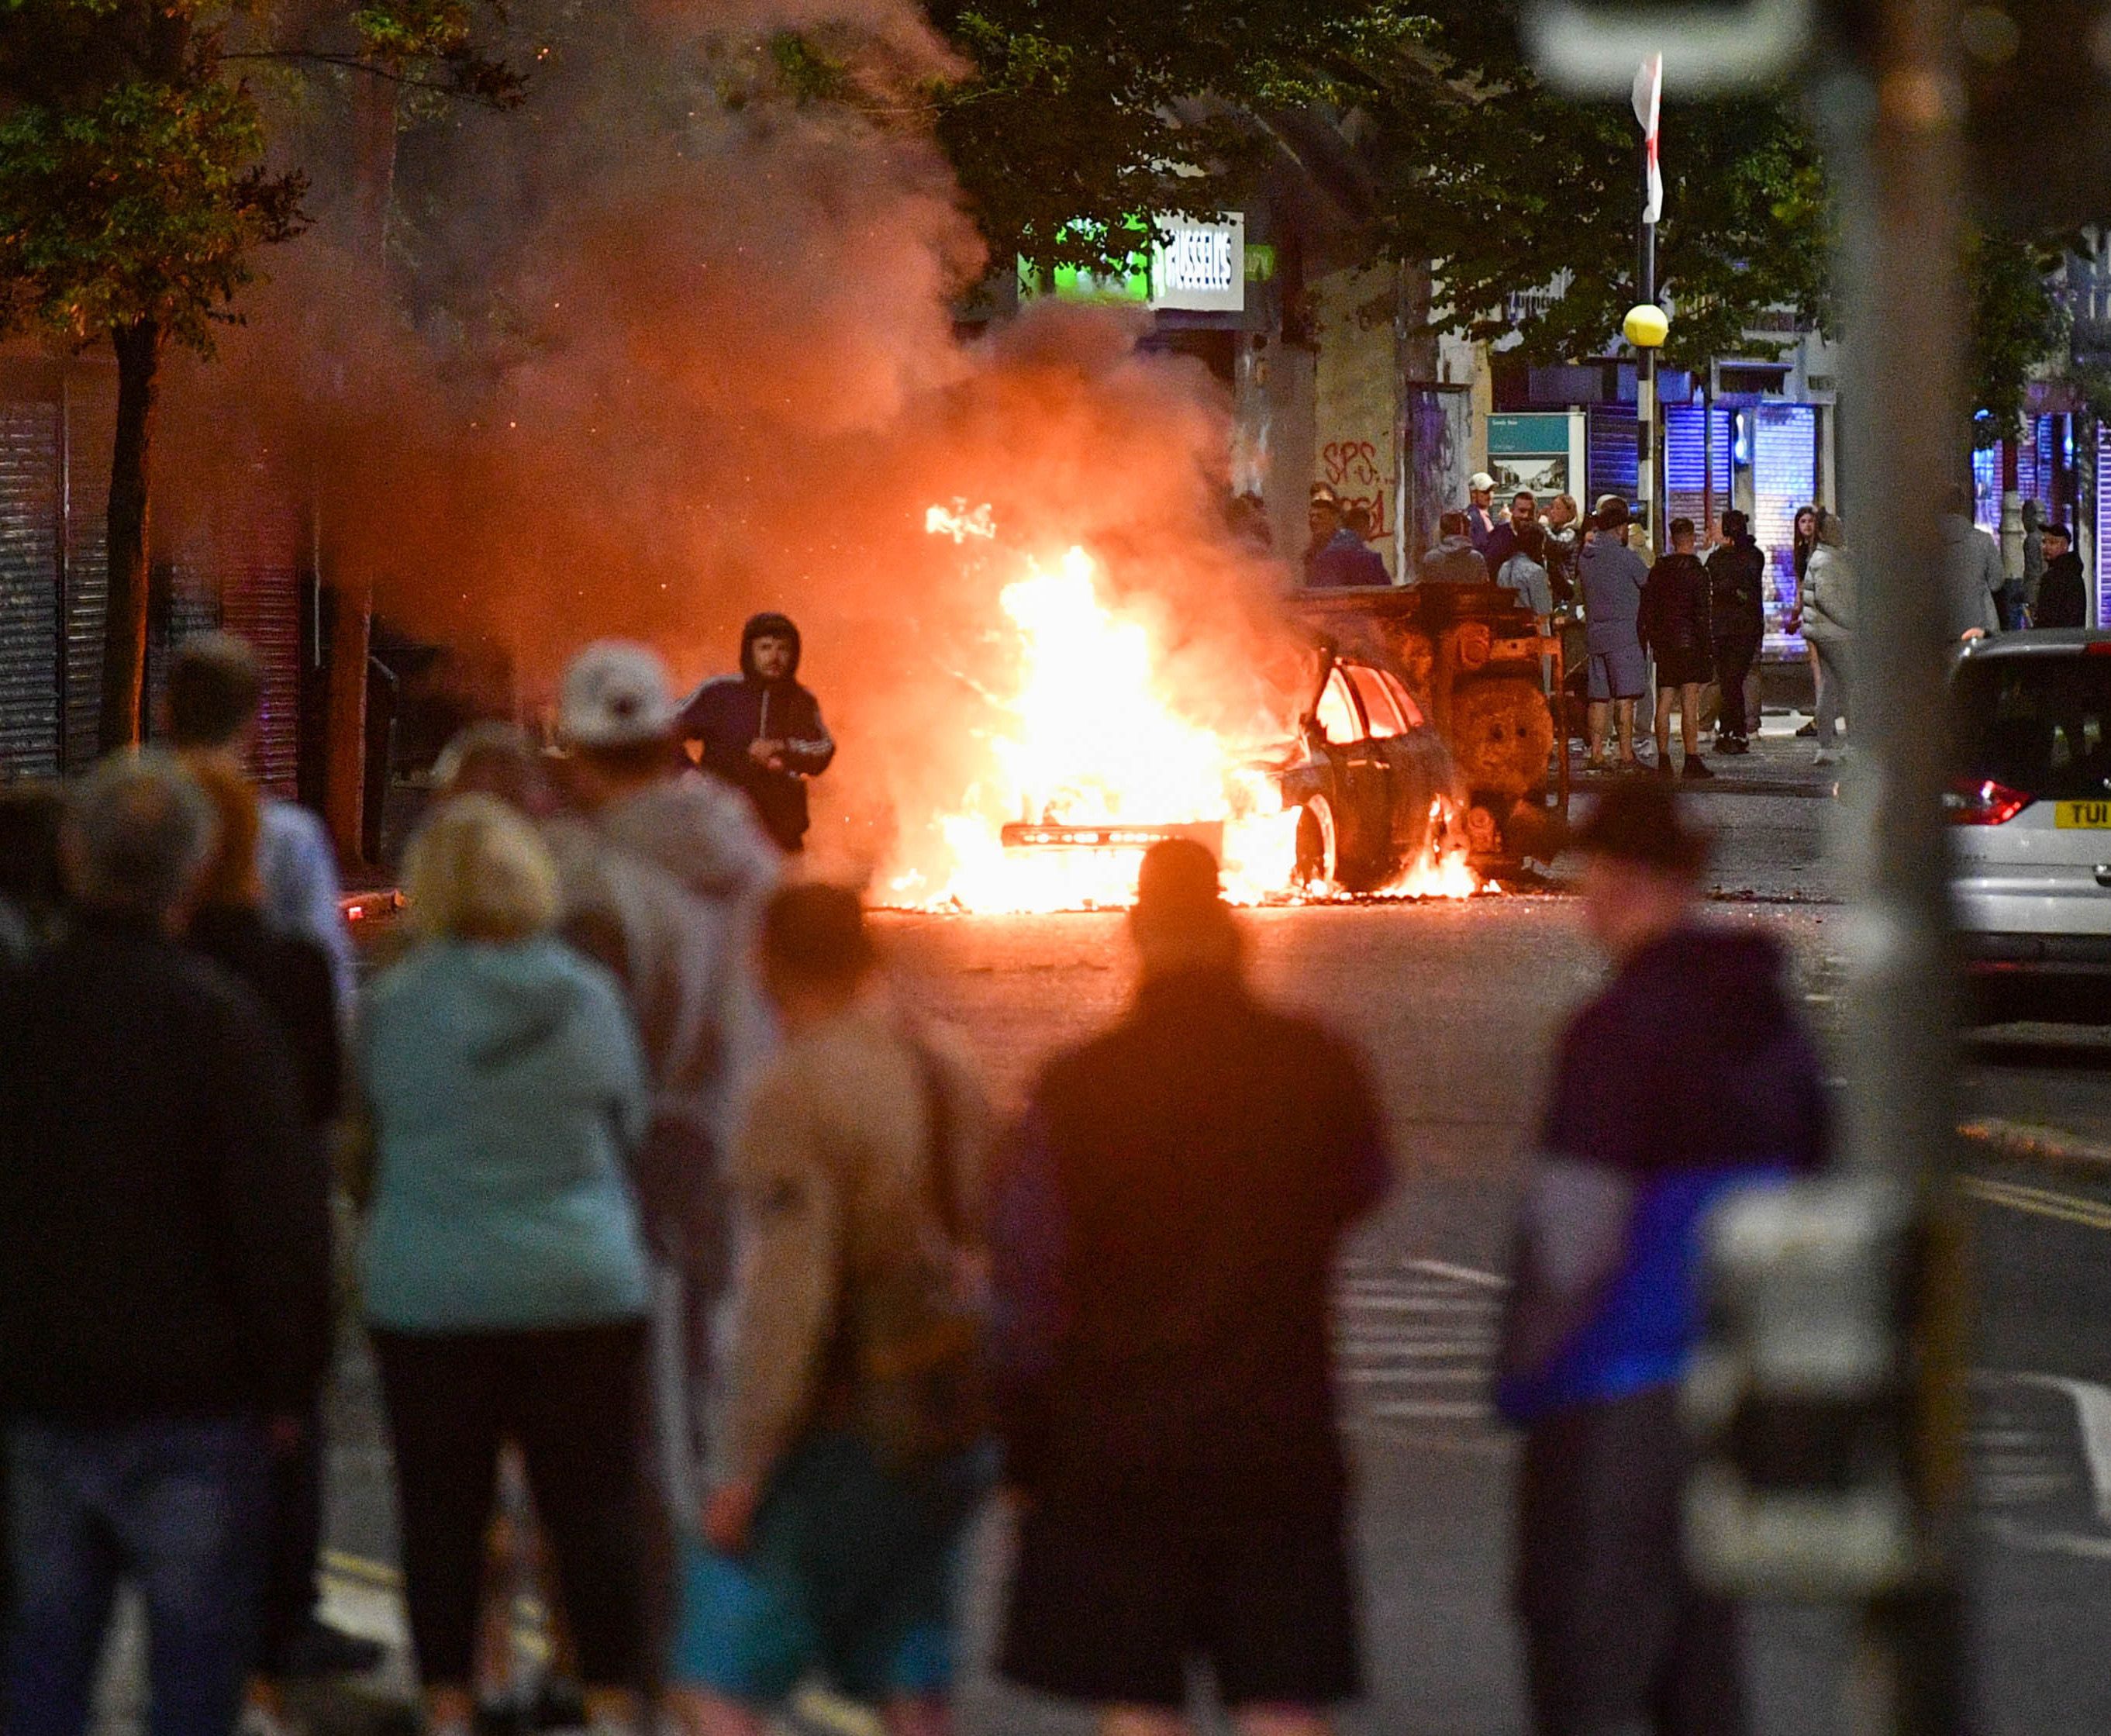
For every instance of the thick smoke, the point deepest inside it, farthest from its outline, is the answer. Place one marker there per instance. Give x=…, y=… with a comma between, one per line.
x=680, y=347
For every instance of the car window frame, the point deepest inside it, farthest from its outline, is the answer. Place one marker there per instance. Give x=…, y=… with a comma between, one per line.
x=1338, y=682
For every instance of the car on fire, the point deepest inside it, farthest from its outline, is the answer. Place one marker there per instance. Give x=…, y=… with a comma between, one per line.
x=1370, y=781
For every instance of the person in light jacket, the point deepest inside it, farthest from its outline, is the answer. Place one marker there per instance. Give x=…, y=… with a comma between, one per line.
x=1828, y=624
x=1972, y=575
x=506, y=1278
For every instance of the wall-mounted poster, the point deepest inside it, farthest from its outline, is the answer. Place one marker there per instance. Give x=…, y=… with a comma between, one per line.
x=1546, y=473
x=1436, y=445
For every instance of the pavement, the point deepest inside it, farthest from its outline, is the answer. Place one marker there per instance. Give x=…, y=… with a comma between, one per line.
x=1457, y=1005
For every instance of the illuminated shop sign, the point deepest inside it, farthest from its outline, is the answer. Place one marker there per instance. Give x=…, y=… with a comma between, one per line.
x=1198, y=266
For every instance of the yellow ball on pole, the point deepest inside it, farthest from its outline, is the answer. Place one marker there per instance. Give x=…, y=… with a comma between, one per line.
x=1646, y=326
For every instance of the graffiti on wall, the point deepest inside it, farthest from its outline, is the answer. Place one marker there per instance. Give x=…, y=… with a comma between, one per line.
x=1351, y=469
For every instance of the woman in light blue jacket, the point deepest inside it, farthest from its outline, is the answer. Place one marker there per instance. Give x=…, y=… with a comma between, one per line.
x=506, y=1274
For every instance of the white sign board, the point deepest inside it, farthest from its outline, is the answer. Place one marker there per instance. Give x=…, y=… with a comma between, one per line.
x=1199, y=265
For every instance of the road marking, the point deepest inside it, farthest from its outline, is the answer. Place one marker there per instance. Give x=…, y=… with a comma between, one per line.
x=1461, y=1274
x=2092, y=1411
x=2066, y=1208
x=1411, y=1335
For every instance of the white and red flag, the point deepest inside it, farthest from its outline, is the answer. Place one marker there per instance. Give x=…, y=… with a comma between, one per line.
x=1649, y=106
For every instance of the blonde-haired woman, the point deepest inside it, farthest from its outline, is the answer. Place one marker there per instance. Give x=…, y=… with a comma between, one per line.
x=506, y=1277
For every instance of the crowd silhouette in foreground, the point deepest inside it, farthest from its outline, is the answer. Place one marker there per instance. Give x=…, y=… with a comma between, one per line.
x=665, y=1219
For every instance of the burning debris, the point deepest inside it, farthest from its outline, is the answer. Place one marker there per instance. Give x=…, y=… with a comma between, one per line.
x=1096, y=748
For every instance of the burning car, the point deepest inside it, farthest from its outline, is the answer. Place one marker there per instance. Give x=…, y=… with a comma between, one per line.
x=1378, y=799
x=1373, y=802
x=1102, y=737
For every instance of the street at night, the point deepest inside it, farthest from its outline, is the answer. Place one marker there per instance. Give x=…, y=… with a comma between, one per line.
x=1456, y=1005
x=1055, y=868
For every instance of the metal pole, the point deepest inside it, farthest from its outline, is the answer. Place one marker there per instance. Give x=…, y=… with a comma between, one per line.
x=1897, y=124
x=1645, y=386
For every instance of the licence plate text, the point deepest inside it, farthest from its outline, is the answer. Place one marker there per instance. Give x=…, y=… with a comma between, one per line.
x=2084, y=816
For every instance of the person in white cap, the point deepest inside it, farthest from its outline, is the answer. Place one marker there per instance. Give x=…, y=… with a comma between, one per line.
x=1479, y=511
x=617, y=721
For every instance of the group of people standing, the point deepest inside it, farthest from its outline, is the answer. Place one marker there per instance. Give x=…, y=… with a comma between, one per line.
x=662, y=1190
x=528, y=1113
x=1694, y=621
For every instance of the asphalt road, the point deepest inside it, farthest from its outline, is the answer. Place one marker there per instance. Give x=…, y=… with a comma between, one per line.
x=1456, y=1005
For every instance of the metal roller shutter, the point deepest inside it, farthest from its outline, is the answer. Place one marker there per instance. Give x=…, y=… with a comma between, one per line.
x=91, y=430
x=1611, y=463
x=1686, y=466
x=246, y=561
x=28, y=588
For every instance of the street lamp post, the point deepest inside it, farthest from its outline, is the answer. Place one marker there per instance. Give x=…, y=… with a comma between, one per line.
x=1646, y=327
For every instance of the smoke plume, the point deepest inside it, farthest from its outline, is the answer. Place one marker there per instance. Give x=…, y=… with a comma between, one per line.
x=669, y=345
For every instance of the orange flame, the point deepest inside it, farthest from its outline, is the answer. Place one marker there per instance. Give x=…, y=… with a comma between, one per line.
x=1089, y=734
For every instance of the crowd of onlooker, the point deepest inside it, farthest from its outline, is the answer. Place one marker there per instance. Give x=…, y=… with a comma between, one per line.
x=644, y=1193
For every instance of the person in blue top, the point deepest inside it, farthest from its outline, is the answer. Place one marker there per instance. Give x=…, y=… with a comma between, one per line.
x=1691, y=1074
x=505, y=1279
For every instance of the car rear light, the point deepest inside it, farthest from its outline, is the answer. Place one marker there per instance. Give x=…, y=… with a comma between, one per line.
x=1981, y=802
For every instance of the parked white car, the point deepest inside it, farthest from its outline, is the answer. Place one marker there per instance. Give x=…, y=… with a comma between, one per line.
x=2030, y=810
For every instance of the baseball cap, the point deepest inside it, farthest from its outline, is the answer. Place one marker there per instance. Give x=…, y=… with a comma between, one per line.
x=1322, y=491
x=614, y=695
x=1481, y=482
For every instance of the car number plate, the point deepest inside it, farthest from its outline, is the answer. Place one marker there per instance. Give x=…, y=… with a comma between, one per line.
x=2084, y=816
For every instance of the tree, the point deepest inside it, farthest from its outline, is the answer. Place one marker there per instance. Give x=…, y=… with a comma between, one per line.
x=133, y=195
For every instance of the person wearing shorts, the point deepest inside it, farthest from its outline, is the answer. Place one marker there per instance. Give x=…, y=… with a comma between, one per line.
x=1161, y=1244
x=1675, y=623
x=1612, y=576
x=830, y=1540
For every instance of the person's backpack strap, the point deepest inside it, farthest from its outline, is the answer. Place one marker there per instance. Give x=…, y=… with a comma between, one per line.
x=941, y=1142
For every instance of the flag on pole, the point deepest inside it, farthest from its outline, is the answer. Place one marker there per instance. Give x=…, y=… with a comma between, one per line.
x=1649, y=105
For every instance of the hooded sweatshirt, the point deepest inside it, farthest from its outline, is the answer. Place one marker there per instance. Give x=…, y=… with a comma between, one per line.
x=730, y=713
x=506, y=1091
x=1972, y=578
x=1691, y=1074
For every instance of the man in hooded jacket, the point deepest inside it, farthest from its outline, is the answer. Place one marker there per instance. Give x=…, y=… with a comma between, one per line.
x=761, y=731
x=1691, y=1074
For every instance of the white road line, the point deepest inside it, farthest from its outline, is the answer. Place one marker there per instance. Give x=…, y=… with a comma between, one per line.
x=1443, y=1409
x=2092, y=1409
x=1463, y=1274
x=1393, y=1304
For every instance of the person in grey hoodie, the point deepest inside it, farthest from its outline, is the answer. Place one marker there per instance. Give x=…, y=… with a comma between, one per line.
x=1971, y=575
x=1828, y=624
x=1611, y=576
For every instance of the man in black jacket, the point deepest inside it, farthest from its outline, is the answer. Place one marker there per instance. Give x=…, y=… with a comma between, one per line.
x=1162, y=1242
x=165, y=1279
x=761, y=731
x=1737, y=617
x=2064, y=592
x=1674, y=626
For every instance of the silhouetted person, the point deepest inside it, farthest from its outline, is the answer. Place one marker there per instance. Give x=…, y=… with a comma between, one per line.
x=214, y=693
x=1162, y=1242
x=1691, y=1074
x=164, y=1280
x=1737, y=619
x=761, y=731
x=1675, y=627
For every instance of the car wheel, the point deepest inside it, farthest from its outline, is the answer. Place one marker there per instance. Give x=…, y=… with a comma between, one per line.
x=1319, y=847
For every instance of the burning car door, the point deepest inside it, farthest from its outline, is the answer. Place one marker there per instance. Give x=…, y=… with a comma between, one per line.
x=1363, y=793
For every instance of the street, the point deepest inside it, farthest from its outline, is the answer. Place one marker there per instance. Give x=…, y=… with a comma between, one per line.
x=1456, y=1005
